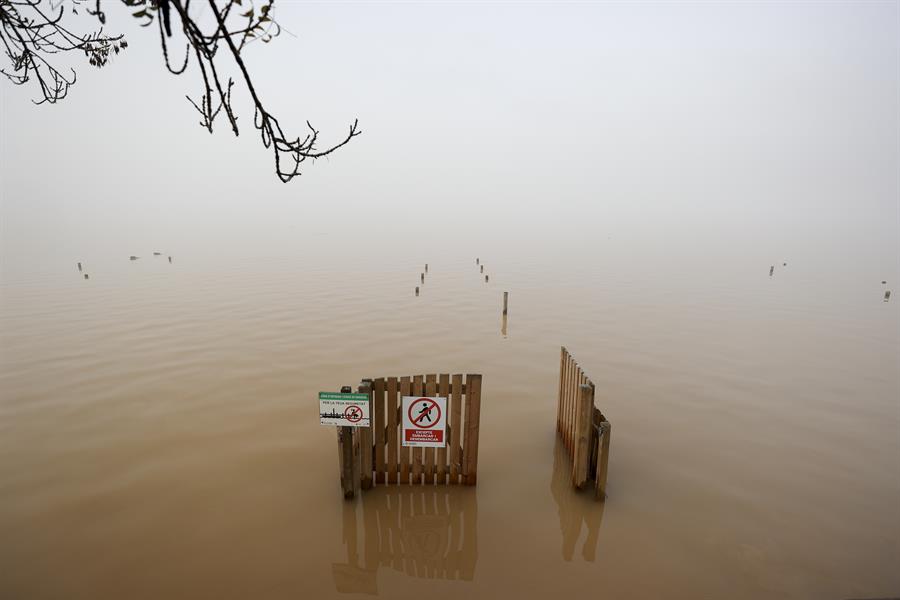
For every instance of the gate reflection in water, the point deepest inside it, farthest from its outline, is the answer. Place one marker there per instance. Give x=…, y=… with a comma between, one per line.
x=429, y=533
x=576, y=508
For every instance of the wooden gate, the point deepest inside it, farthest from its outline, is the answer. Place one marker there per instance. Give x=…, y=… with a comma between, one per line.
x=583, y=428
x=374, y=455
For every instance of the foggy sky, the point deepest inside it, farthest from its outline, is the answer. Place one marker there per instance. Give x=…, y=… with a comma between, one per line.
x=540, y=121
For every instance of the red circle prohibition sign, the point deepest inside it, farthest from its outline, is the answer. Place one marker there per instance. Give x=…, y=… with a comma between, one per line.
x=424, y=412
x=353, y=413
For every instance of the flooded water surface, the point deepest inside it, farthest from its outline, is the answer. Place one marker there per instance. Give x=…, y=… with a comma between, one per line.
x=160, y=435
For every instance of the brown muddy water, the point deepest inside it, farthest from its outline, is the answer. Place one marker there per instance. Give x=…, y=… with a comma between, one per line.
x=159, y=435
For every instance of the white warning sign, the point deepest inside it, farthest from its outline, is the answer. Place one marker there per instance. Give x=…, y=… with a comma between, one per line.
x=424, y=421
x=347, y=410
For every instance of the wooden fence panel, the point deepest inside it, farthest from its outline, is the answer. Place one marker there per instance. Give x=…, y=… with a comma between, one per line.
x=583, y=430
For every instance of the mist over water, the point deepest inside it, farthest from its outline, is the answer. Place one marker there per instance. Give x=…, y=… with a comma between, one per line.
x=628, y=173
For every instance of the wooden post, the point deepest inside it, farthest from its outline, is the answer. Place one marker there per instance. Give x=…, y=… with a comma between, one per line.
x=430, y=453
x=404, y=450
x=562, y=379
x=417, y=290
x=603, y=459
x=473, y=416
x=583, y=421
x=378, y=425
x=345, y=454
x=426, y=267
x=422, y=275
x=482, y=268
x=365, y=442
x=441, y=454
x=392, y=430
x=505, y=302
x=455, y=434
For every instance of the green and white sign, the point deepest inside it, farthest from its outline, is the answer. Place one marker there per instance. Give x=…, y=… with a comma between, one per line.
x=344, y=410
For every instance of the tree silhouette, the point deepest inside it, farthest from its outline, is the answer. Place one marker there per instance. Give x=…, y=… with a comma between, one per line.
x=34, y=34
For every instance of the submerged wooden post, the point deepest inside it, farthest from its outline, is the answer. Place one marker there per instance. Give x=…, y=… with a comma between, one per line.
x=426, y=267
x=470, y=438
x=417, y=290
x=482, y=268
x=602, y=459
x=422, y=275
x=365, y=442
x=505, y=302
x=346, y=454
x=79, y=266
x=583, y=421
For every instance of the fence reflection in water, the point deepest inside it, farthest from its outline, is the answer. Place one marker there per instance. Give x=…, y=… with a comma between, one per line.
x=428, y=533
x=577, y=509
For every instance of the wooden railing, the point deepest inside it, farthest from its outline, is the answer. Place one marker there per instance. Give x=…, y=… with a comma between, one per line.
x=582, y=427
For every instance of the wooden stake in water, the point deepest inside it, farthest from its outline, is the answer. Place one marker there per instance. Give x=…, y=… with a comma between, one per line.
x=887, y=295
x=771, y=270
x=170, y=260
x=485, y=278
x=422, y=275
x=79, y=267
x=482, y=268
x=477, y=260
x=505, y=302
x=426, y=267
x=417, y=290
x=86, y=276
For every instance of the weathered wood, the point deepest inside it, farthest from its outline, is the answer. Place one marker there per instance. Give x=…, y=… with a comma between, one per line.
x=455, y=428
x=417, y=454
x=583, y=422
x=345, y=458
x=603, y=459
x=441, y=454
x=378, y=423
x=405, y=390
x=365, y=444
x=559, y=398
x=393, y=426
x=473, y=416
x=429, y=468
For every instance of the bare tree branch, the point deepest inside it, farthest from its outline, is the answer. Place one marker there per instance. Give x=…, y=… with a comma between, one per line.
x=32, y=33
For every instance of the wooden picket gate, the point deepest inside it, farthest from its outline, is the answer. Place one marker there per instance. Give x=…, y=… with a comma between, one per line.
x=374, y=456
x=583, y=428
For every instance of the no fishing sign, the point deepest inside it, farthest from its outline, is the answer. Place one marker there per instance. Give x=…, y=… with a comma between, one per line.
x=347, y=410
x=424, y=422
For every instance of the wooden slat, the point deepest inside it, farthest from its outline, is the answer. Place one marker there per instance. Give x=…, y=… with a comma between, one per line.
x=378, y=423
x=429, y=470
x=570, y=407
x=455, y=428
x=405, y=390
x=392, y=402
x=473, y=416
x=562, y=363
x=365, y=445
x=603, y=460
x=417, y=453
x=583, y=422
x=441, y=454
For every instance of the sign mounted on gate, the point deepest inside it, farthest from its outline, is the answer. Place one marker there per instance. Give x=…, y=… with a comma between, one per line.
x=344, y=410
x=424, y=421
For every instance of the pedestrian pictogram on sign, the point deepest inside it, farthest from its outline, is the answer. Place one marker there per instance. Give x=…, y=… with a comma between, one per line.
x=424, y=421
